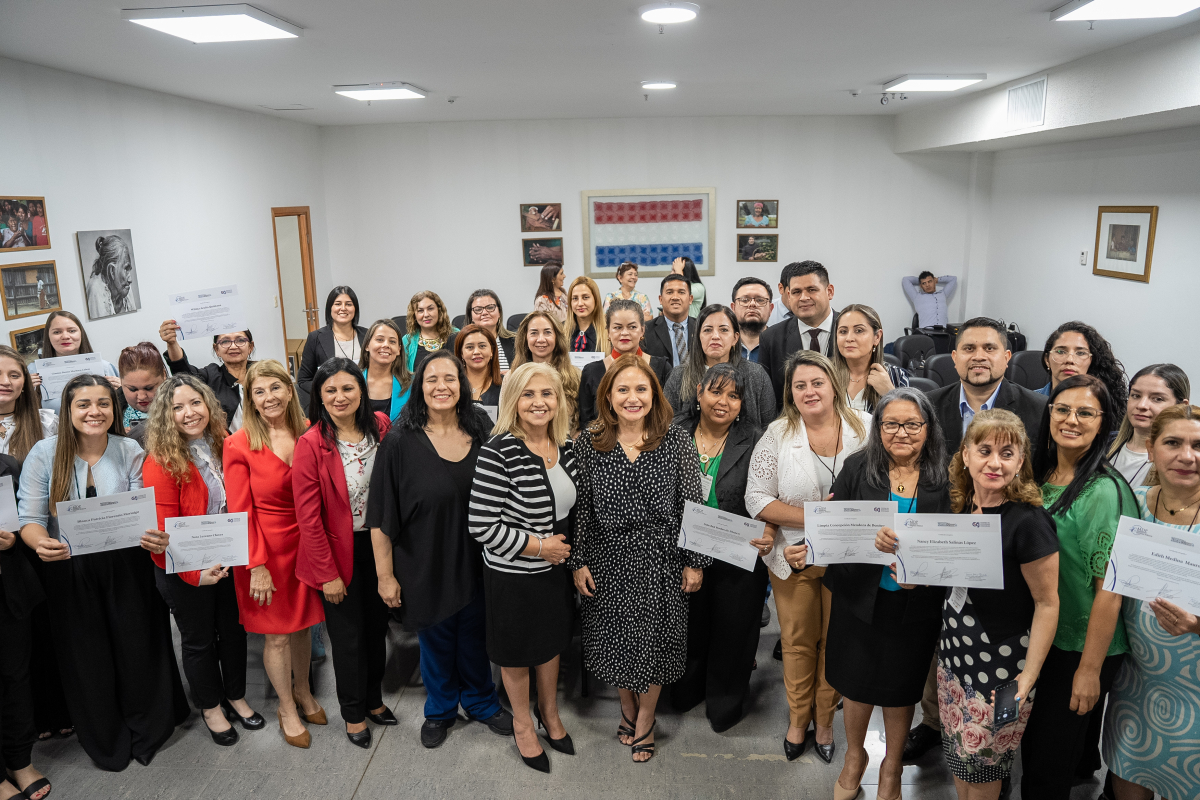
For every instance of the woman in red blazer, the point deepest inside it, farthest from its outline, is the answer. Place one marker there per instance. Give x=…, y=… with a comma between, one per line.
x=331, y=473
x=185, y=431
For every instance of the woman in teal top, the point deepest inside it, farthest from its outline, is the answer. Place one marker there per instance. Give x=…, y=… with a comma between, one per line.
x=385, y=368
x=428, y=326
x=1086, y=497
x=1149, y=727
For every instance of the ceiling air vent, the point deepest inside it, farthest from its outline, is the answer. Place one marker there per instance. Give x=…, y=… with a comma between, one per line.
x=1027, y=104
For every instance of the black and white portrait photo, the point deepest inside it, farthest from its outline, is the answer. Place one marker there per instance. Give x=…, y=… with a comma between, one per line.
x=109, y=272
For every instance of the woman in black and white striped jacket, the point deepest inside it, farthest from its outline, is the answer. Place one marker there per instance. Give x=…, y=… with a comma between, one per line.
x=521, y=510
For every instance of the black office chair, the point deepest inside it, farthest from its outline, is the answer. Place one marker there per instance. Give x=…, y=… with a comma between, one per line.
x=401, y=323
x=515, y=320
x=460, y=321
x=923, y=385
x=888, y=358
x=940, y=369
x=1026, y=369
x=913, y=351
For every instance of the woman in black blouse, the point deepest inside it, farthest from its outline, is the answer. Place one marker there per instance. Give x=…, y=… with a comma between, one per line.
x=233, y=351
x=417, y=511
x=342, y=337
x=586, y=329
x=485, y=310
x=475, y=347
x=626, y=328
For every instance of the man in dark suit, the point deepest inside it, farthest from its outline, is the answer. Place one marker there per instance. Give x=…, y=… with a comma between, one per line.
x=805, y=289
x=981, y=358
x=670, y=335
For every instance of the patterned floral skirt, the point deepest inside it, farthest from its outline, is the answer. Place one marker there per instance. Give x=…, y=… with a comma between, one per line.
x=970, y=666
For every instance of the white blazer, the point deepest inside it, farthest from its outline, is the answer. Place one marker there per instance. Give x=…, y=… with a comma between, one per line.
x=783, y=468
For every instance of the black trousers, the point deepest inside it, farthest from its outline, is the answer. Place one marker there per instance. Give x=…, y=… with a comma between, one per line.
x=50, y=713
x=1055, y=739
x=17, y=733
x=723, y=623
x=112, y=633
x=212, y=637
x=358, y=636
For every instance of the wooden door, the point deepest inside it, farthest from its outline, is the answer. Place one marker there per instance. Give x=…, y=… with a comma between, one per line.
x=298, y=308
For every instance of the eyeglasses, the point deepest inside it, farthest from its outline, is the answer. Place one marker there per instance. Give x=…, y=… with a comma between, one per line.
x=760, y=302
x=488, y=309
x=1059, y=353
x=1083, y=414
x=911, y=428
x=240, y=341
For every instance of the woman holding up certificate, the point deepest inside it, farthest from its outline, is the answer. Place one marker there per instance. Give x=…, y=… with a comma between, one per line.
x=797, y=461
x=111, y=629
x=1151, y=704
x=185, y=429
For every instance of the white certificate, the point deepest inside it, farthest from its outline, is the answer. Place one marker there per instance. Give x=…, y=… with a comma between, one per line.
x=1149, y=560
x=950, y=550
x=205, y=541
x=8, y=506
x=844, y=533
x=111, y=522
x=56, y=372
x=726, y=537
x=208, y=312
x=581, y=360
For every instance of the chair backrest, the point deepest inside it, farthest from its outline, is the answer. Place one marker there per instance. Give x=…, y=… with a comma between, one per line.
x=889, y=358
x=939, y=368
x=914, y=350
x=401, y=323
x=923, y=384
x=460, y=321
x=515, y=320
x=1026, y=369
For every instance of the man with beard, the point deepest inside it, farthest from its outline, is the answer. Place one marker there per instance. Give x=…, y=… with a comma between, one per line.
x=752, y=306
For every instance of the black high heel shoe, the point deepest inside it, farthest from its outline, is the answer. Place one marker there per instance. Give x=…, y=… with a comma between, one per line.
x=540, y=762
x=794, y=751
x=361, y=739
x=226, y=738
x=563, y=745
x=253, y=722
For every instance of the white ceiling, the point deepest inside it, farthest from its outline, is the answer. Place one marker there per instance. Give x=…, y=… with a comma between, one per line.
x=537, y=59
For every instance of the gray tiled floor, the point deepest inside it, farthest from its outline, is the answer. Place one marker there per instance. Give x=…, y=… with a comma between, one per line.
x=692, y=761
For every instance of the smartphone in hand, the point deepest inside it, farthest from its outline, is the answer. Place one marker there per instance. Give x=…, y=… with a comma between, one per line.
x=1007, y=705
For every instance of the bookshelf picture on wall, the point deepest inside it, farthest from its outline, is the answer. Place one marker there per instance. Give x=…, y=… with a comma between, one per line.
x=27, y=342
x=539, y=252
x=30, y=288
x=109, y=272
x=541, y=217
x=1125, y=242
x=758, y=214
x=23, y=223
x=757, y=247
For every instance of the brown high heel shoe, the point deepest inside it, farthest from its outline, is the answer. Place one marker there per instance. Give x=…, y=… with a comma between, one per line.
x=841, y=793
x=302, y=741
x=317, y=718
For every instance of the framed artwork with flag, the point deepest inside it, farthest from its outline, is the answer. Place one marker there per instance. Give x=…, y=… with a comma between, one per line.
x=650, y=227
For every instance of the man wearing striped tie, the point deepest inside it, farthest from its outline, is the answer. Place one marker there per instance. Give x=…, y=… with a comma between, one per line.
x=670, y=335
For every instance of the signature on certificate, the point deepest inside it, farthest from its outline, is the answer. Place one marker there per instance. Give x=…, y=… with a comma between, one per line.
x=947, y=574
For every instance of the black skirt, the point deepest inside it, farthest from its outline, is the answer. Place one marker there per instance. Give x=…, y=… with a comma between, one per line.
x=884, y=662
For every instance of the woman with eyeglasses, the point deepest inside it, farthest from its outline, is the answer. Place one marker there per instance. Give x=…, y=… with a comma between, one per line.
x=1075, y=348
x=1153, y=389
x=1087, y=498
x=63, y=335
x=485, y=310
x=224, y=377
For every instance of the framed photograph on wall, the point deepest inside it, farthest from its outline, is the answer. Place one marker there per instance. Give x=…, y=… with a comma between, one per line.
x=109, y=272
x=758, y=214
x=650, y=227
x=1125, y=242
x=757, y=247
x=539, y=252
x=537, y=217
x=29, y=289
x=27, y=342
x=23, y=224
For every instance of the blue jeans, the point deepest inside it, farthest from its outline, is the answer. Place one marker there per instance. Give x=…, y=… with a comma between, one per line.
x=455, y=666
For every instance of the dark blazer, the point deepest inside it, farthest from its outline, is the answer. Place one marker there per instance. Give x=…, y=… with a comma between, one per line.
x=1026, y=404
x=593, y=373
x=217, y=377
x=857, y=584
x=657, y=341
x=20, y=589
x=318, y=349
x=735, y=465
x=781, y=340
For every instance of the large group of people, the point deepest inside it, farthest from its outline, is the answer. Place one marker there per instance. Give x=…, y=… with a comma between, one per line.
x=473, y=485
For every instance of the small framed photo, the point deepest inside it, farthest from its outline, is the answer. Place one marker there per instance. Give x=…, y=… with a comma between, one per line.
x=758, y=214
x=29, y=289
x=27, y=342
x=539, y=252
x=757, y=247
x=23, y=224
x=1125, y=242
x=537, y=217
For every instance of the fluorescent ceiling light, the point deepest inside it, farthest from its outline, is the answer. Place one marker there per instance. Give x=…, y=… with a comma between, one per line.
x=658, y=84
x=931, y=83
x=391, y=90
x=204, y=24
x=1090, y=10
x=666, y=13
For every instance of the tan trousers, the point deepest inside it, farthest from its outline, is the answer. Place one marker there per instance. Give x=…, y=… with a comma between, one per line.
x=802, y=605
x=931, y=714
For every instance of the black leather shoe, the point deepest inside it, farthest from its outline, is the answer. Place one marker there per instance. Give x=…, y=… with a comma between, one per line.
x=794, y=751
x=227, y=738
x=766, y=616
x=824, y=751
x=433, y=731
x=1006, y=790
x=386, y=718
x=253, y=722
x=362, y=738
x=500, y=723
x=777, y=653
x=563, y=745
x=540, y=762
x=920, y=741
x=144, y=760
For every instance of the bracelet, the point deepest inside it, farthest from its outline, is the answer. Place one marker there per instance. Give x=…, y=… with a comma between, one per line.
x=539, y=552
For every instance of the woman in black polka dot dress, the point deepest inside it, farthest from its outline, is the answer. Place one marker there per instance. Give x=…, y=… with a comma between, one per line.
x=636, y=470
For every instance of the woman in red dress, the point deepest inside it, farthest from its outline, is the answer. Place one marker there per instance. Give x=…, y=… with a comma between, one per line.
x=271, y=600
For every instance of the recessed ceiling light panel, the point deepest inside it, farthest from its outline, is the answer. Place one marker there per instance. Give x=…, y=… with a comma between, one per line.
x=389, y=90
x=667, y=13
x=931, y=83
x=1091, y=10
x=658, y=84
x=205, y=24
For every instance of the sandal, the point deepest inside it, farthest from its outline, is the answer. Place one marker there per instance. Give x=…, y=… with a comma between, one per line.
x=65, y=733
x=31, y=792
x=626, y=729
x=644, y=748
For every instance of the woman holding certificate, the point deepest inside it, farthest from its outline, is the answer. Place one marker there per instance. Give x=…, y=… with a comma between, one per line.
x=272, y=600
x=331, y=475
x=111, y=629
x=63, y=335
x=1151, y=704
x=798, y=460
x=225, y=376
x=184, y=433
x=1086, y=497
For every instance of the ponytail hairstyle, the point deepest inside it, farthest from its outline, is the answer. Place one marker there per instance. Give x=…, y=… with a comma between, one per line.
x=26, y=418
x=141, y=356
x=62, y=477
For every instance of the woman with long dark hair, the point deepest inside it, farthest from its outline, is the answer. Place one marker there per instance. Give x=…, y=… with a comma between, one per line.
x=63, y=335
x=1152, y=389
x=550, y=297
x=475, y=347
x=385, y=368
x=1076, y=348
x=142, y=372
x=859, y=357
x=341, y=337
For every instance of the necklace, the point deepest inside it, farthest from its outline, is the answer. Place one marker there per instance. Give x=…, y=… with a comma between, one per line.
x=702, y=449
x=429, y=344
x=641, y=440
x=1158, y=497
x=899, y=481
x=338, y=344
x=550, y=460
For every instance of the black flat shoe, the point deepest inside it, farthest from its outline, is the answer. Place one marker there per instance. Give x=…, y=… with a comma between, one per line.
x=824, y=751
x=794, y=751
x=144, y=760
x=386, y=718
x=361, y=739
x=540, y=762
x=920, y=740
x=433, y=731
x=224, y=738
x=500, y=723
x=777, y=653
x=563, y=745
x=254, y=722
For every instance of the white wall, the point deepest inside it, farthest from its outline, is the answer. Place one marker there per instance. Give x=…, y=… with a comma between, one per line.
x=435, y=206
x=194, y=182
x=1044, y=209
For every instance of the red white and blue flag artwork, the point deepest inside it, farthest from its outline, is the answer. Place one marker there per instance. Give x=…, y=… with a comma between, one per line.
x=649, y=232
